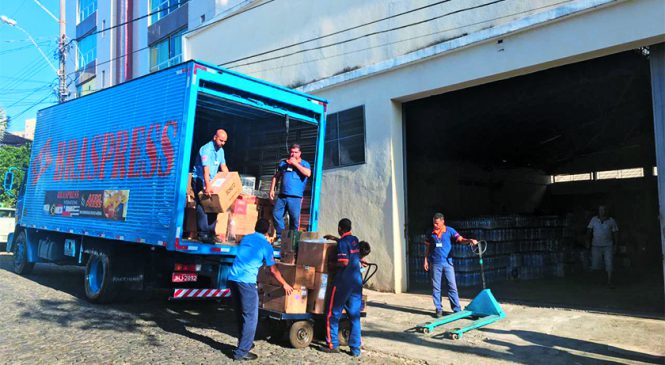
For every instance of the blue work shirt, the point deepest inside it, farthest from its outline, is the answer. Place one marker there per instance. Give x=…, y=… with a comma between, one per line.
x=254, y=251
x=293, y=181
x=348, y=252
x=441, y=247
x=210, y=156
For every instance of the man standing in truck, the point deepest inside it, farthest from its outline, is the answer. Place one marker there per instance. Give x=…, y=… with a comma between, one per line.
x=293, y=173
x=209, y=161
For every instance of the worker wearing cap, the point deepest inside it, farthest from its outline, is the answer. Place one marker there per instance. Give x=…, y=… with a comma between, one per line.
x=346, y=292
x=209, y=161
x=439, y=261
x=254, y=251
x=293, y=173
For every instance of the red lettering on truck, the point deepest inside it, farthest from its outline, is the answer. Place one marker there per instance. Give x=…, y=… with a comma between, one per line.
x=145, y=151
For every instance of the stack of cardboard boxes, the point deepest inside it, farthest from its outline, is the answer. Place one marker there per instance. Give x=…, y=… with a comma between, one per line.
x=236, y=213
x=307, y=264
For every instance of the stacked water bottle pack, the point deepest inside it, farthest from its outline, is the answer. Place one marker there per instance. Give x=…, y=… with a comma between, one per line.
x=518, y=248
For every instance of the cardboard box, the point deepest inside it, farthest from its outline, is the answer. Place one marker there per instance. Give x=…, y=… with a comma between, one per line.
x=287, y=257
x=317, y=253
x=242, y=224
x=320, y=294
x=290, y=239
x=294, y=275
x=275, y=299
x=221, y=227
x=226, y=187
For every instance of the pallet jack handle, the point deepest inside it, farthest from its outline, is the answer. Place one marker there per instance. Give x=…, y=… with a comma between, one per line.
x=371, y=270
x=479, y=250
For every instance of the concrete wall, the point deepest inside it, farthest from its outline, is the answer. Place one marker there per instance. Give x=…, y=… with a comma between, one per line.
x=266, y=28
x=373, y=194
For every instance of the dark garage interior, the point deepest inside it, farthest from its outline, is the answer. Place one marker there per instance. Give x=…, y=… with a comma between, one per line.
x=524, y=163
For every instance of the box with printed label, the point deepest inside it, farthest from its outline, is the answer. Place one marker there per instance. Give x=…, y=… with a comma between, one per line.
x=226, y=187
x=318, y=297
x=274, y=298
x=317, y=253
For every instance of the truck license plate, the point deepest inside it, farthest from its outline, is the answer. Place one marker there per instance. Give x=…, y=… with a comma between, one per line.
x=183, y=277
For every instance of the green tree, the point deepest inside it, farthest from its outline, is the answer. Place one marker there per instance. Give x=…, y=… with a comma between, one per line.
x=18, y=157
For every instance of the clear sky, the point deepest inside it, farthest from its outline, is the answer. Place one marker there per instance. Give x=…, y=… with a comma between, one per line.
x=27, y=82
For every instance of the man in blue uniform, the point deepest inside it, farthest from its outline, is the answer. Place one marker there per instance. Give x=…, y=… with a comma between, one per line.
x=347, y=290
x=254, y=251
x=293, y=173
x=209, y=161
x=439, y=261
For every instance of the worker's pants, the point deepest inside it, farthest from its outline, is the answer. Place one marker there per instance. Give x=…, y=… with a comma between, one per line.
x=437, y=271
x=598, y=253
x=205, y=222
x=292, y=205
x=246, y=305
x=346, y=293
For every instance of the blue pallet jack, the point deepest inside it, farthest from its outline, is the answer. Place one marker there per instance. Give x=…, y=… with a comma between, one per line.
x=484, y=308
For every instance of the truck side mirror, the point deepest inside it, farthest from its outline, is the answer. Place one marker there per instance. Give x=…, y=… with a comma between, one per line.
x=8, y=183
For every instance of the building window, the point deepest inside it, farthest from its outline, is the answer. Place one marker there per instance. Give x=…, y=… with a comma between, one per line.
x=345, y=138
x=87, y=87
x=620, y=174
x=573, y=177
x=86, y=8
x=87, y=51
x=167, y=52
x=161, y=8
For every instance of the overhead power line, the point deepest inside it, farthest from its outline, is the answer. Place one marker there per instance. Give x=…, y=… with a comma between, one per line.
x=354, y=38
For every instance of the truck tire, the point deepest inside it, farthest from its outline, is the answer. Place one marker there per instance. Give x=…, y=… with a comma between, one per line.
x=21, y=264
x=98, y=281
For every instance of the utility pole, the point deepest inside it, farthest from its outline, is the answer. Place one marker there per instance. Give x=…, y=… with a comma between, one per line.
x=62, y=95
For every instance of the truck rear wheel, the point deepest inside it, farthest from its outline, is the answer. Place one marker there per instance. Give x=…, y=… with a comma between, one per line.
x=98, y=280
x=21, y=264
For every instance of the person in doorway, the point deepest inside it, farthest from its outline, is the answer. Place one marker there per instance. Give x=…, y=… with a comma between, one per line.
x=293, y=173
x=347, y=290
x=254, y=251
x=209, y=161
x=439, y=261
x=603, y=236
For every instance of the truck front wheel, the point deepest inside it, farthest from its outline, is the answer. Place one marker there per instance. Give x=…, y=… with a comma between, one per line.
x=21, y=264
x=98, y=281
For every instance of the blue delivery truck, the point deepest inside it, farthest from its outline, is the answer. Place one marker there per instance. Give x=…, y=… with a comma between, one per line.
x=107, y=181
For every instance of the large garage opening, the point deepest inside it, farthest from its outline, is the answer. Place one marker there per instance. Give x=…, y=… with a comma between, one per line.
x=524, y=163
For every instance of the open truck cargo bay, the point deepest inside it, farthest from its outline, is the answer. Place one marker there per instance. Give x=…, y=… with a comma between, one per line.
x=114, y=164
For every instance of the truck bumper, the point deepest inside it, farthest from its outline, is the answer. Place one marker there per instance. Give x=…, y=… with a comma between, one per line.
x=184, y=294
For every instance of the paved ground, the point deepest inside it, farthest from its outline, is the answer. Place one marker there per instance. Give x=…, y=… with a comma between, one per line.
x=45, y=320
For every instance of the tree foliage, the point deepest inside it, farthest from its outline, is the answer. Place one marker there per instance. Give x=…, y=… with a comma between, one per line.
x=18, y=157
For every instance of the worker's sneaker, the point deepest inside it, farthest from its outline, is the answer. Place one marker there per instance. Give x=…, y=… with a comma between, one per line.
x=248, y=356
x=438, y=314
x=355, y=352
x=328, y=350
